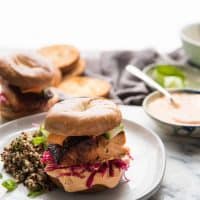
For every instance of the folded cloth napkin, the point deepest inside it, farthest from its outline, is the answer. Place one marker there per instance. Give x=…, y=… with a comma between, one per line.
x=110, y=65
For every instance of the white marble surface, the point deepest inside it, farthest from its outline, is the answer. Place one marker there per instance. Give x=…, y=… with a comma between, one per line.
x=182, y=177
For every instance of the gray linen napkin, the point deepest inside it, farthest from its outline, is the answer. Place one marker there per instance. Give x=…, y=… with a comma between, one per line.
x=110, y=65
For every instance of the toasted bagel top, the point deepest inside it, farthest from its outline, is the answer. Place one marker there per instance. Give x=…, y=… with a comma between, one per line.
x=83, y=116
x=62, y=56
x=27, y=71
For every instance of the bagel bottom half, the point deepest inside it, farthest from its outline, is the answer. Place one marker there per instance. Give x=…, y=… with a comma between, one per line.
x=7, y=113
x=95, y=188
x=78, y=184
x=85, y=86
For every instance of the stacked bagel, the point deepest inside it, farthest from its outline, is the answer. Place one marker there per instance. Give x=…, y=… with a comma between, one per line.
x=66, y=58
x=85, y=144
x=71, y=65
x=25, y=78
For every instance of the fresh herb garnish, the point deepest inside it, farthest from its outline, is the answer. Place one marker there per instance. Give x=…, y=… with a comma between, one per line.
x=169, y=76
x=43, y=131
x=10, y=185
x=34, y=194
x=1, y=175
x=38, y=140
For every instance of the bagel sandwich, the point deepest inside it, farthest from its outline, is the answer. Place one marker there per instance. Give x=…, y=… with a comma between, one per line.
x=25, y=78
x=86, y=144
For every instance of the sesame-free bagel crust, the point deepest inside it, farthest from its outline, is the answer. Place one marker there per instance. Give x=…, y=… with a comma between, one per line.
x=83, y=116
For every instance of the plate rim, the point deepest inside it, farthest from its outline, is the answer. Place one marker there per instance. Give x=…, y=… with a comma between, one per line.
x=155, y=187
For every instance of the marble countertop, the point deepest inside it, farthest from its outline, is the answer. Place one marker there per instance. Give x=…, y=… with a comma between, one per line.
x=182, y=176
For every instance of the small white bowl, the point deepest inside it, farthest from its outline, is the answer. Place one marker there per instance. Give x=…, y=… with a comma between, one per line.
x=190, y=36
x=172, y=128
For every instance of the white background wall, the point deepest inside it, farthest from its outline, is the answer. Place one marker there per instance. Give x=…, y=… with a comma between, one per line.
x=96, y=24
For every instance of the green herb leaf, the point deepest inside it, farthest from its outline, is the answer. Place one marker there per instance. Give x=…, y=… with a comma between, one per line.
x=34, y=194
x=39, y=140
x=1, y=175
x=10, y=185
x=43, y=131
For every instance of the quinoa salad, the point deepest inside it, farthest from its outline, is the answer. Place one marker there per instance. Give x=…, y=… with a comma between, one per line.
x=22, y=160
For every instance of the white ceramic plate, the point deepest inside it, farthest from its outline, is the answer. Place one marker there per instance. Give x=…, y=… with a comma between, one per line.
x=145, y=174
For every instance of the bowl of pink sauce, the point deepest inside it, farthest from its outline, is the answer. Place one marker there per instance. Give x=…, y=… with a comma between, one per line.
x=182, y=119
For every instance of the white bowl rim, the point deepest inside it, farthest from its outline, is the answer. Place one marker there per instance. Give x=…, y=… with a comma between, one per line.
x=188, y=39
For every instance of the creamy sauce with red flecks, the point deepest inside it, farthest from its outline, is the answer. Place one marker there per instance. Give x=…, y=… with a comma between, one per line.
x=187, y=112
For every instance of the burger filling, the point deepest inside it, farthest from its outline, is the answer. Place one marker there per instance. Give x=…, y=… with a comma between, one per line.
x=87, y=156
x=80, y=170
x=3, y=98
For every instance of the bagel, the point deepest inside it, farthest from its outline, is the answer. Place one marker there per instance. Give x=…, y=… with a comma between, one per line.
x=77, y=184
x=83, y=116
x=28, y=71
x=7, y=113
x=56, y=78
x=77, y=70
x=19, y=105
x=85, y=86
x=62, y=56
